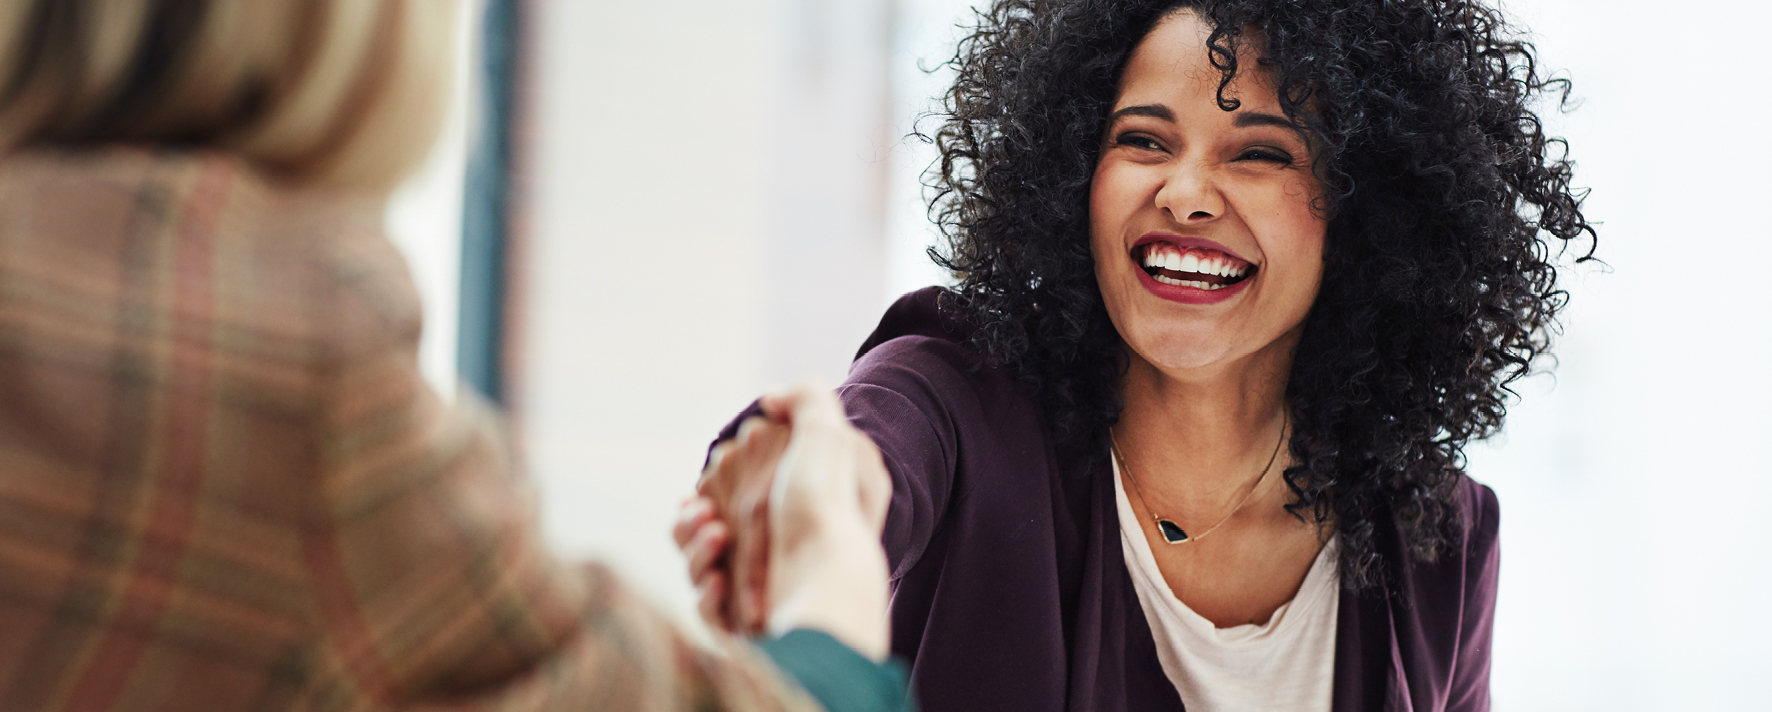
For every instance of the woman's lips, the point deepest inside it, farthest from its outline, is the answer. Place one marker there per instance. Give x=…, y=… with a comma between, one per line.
x=1190, y=270
x=1190, y=295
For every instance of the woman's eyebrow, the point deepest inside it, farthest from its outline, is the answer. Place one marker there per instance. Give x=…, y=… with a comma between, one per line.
x=1155, y=111
x=1245, y=119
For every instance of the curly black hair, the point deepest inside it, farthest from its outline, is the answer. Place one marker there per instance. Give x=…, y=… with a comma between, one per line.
x=1442, y=192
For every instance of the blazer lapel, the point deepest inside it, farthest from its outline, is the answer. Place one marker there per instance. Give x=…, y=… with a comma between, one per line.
x=1367, y=658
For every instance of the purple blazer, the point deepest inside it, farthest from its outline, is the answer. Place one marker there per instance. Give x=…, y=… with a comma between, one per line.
x=1010, y=590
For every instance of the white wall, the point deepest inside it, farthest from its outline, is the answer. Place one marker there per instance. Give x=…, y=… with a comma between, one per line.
x=1635, y=564
x=708, y=184
x=424, y=221
x=926, y=31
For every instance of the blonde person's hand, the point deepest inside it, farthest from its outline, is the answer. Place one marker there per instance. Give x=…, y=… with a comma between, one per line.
x=827, y=506
x=786, y=531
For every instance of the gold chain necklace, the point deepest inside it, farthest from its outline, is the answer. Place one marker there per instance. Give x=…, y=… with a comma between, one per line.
x=1173, y=532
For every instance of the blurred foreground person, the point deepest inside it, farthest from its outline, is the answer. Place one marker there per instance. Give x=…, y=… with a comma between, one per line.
x=223, y=483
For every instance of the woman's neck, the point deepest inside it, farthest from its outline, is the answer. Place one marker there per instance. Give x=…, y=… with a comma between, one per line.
x=1203, y=434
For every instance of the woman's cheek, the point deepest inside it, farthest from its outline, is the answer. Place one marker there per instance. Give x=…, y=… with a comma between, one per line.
x=1108, y=213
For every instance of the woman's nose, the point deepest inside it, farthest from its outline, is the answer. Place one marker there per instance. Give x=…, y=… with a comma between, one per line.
x=1190, y=195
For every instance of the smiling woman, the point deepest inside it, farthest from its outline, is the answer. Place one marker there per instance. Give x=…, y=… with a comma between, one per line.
x=1439, y=200
x=1251, y=269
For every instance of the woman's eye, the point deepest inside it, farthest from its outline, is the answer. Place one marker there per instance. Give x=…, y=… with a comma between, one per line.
x=1262, y=154
x=1138, y=141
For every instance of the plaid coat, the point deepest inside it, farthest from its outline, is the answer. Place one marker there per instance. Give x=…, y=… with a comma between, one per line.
x=224, y=485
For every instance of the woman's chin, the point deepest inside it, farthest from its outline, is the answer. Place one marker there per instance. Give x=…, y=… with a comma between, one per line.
x=1177, y=354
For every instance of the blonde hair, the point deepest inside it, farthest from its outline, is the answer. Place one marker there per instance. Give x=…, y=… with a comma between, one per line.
x=337, y=92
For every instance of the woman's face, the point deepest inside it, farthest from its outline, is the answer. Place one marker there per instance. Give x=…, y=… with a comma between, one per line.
x=1206, y=245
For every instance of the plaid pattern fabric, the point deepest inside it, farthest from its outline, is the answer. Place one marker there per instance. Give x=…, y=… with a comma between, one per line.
x=224, y=485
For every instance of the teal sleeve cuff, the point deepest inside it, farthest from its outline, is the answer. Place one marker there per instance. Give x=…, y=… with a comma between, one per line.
x=839, y=678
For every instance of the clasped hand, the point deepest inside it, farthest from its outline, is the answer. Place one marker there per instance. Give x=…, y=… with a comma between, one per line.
x=785, y=530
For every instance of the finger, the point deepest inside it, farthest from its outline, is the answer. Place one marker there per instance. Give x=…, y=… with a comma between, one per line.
x=748, y=429
x=711, y=601
x=706, y=549
x=695, y=512
x=716, y=456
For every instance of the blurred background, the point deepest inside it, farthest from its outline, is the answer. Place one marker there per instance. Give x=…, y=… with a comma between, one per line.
x=642, y=214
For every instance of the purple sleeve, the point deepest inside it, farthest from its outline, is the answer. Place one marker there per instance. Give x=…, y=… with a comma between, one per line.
x=920, y=465
x=1470, y=676
x=898, y=394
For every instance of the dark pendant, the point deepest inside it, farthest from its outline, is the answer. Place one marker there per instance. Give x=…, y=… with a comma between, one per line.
x=1172, y=532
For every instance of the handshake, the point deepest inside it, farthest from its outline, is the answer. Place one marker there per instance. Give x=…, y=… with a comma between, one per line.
x=785, y=530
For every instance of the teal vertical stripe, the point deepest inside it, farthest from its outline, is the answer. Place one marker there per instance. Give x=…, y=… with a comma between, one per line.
x=486, y=205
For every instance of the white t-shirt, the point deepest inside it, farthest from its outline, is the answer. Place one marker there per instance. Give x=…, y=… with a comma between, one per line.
x=1287, y=663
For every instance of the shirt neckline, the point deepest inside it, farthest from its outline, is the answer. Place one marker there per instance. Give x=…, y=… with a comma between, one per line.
x=1311, y=592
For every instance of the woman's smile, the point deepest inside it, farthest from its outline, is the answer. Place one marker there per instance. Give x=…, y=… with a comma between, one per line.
x=1190, y=270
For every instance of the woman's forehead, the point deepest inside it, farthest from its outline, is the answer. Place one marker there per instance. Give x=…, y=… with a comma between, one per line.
x=1173, y=66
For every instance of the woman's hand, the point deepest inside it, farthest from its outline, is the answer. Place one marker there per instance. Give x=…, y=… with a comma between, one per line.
x=786, y=532
x=725, y=530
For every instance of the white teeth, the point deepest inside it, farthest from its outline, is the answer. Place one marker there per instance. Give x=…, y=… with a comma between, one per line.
x=1164, y=256
x=1158, y=256
x=1196, y=284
